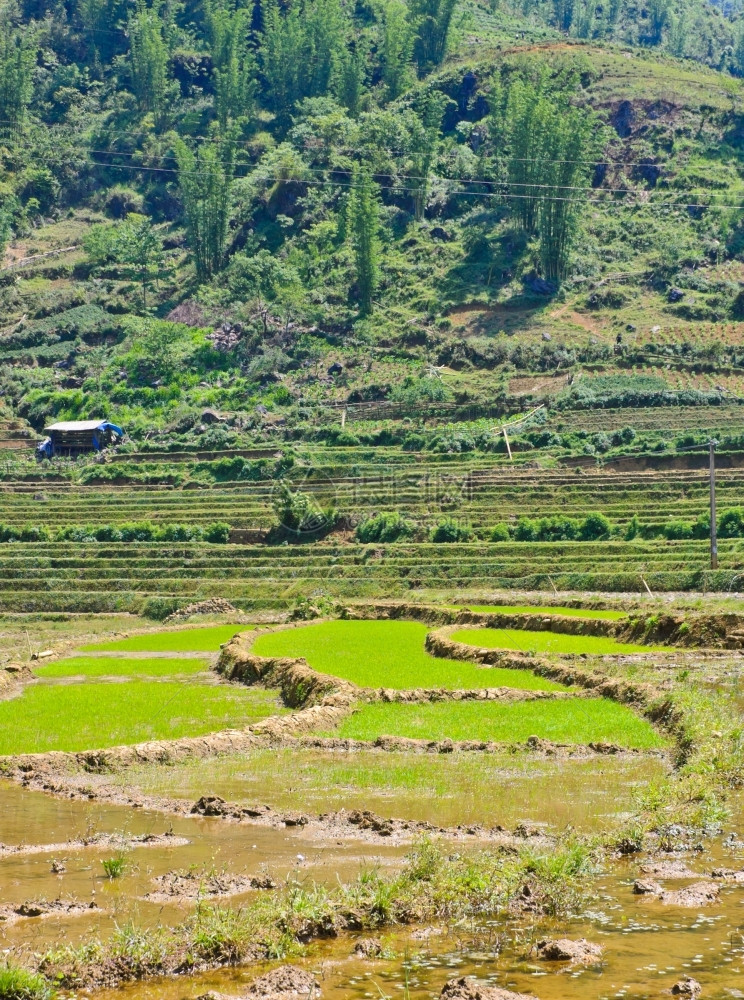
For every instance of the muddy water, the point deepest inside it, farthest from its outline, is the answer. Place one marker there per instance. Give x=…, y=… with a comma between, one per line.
x=31, y=818
x=505, y=789
x=648, y=947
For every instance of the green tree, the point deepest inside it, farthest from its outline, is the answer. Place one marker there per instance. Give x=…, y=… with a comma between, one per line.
x=364, y=231
x=569, y=144
x=398, y=36
x=148, y=59
x=424, y=143
x=523, y=122
x=351, y=71
x=17, y=60
x=205, y=178
x=658, y=15
x=234, y=65
x=300, y=48
x=548, y=147
x=433, y=20
x=133, y=244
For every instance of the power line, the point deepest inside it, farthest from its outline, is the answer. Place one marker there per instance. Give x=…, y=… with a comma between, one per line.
x=398, y=188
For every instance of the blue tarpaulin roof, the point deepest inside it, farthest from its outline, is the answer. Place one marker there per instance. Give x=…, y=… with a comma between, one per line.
x=84, y=425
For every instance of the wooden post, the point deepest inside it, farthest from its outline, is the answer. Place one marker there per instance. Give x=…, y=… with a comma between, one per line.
x=343, y=418
x=646, y=586
x=508, y=446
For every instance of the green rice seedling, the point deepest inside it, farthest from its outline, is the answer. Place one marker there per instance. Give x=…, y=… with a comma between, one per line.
x=528, y=609
x=575, y=721
x=195, y=640
x=114, y=666
x=388, y=654
x=95, y=715
x=548, y=642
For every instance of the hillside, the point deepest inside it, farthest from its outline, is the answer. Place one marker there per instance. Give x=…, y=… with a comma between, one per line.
x=319, y=247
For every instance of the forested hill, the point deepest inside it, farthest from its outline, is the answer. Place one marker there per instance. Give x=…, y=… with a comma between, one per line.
x=257, y=206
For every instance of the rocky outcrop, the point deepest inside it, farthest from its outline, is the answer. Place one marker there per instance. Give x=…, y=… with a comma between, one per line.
x=687, y=987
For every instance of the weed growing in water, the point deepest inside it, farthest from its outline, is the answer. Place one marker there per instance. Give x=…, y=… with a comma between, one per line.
x=114, y=867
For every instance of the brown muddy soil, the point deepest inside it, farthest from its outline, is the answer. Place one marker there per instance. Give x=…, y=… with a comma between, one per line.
x=12, y=913
x=470, y=989
x=188, y=884
x=690, y=897
x=95, y=841
x=581, y=952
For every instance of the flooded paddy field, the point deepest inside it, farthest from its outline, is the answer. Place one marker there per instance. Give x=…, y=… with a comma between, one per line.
x=518, y=839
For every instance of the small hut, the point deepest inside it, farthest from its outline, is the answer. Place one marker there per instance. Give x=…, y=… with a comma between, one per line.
x=71, y=438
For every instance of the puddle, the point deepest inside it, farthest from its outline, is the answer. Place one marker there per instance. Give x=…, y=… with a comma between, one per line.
x=34, y=818
x=447, y=790
x=646, y=950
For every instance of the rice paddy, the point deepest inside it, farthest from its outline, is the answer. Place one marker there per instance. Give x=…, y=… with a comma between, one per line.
x=529, y=609
x=192, y=640
x=574, y=721
x=387, y=654
x=115, y=666
x=92, y=716
x=548, y=642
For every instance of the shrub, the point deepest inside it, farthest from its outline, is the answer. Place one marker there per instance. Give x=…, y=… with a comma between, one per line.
x=500, y=533
x=137, y=531
x=158, y=608
x=633, y=528
x=676, y=530
x=731, y=523
x=450, y=530
x=525, y=530
x=594, y=528
x=384, y=528
x=217, y=533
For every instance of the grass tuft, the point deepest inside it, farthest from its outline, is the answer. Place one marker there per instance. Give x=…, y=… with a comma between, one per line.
x=20, y=984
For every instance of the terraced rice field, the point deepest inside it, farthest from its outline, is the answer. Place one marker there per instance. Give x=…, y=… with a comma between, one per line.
x=122, y=577
x=84, y=702
x=470, y=487
x=95, y=715
x=207, y=639
x=388, y=654
x=575, y=721
x=548, y=642
x=86, y=576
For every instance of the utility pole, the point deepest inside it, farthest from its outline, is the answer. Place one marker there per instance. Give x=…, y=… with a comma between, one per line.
x=713, y=537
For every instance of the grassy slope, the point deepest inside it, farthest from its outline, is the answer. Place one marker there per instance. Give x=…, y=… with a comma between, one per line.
x=387, y=654
x=195, y=640
x=91, y=716
x=575, y=721
x=547, y=642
